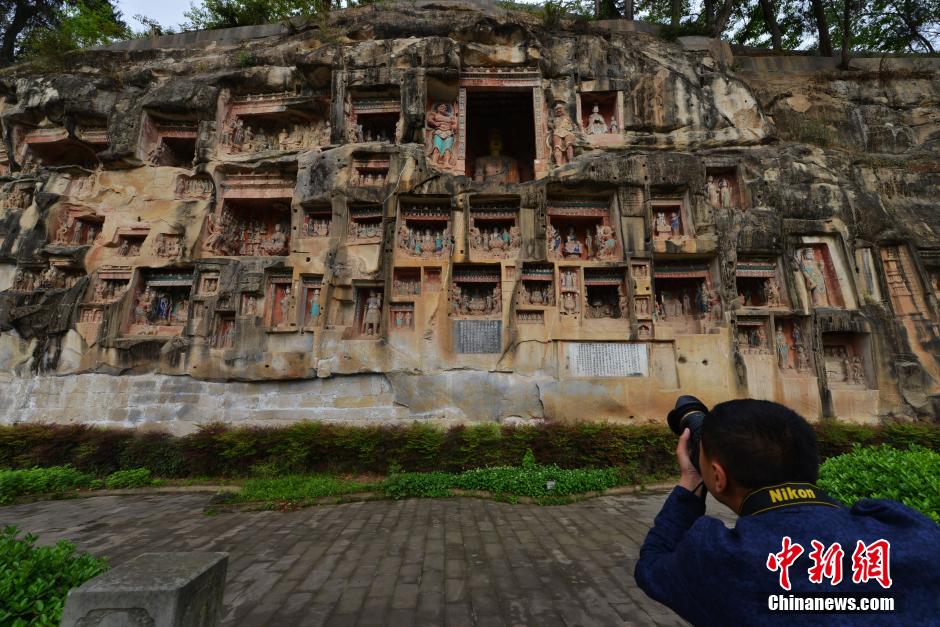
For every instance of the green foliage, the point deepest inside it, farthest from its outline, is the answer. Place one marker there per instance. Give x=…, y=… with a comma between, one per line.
x=122, y=479
x=296, y=488
x=79, y=24
x=218, y=450
x=246, y=58
x=211, y=14
x=35, y=580
x=910, y=476
x=15, y=483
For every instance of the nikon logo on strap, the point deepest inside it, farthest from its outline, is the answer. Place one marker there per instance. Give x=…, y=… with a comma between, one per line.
x=785, y=495
x=789, y=493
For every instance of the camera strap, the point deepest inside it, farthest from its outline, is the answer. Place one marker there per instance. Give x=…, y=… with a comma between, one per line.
x=784, y=495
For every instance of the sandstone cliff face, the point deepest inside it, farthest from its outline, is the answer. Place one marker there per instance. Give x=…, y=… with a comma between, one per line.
x=456, y=214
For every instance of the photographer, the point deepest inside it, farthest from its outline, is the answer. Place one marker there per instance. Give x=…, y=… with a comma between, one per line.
x=794, y=555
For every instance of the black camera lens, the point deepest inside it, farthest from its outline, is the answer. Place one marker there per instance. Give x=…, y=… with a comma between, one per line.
x=689, y=413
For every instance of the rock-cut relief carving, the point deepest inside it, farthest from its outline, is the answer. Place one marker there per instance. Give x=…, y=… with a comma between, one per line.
x=441, y=136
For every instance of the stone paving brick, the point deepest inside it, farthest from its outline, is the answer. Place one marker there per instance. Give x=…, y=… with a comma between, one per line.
x=450, y=562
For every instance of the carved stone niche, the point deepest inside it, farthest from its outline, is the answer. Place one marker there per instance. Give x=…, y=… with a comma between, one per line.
x=753, y=335
x=129, y=239
x=311, y=299
x=374, y=114
x=431, y=279
x=601, y=116
x=848, y=360
x=904, y=286
x=582, y=229
x=280, y=302
x=494, y=228
x=685, y=298
x=224, y=331
x=368, y=304
x=109, y=285
x=50, y=146
x=168, y=140
x=605, y=294
x=536, y=287
x=401, y=316
x=823, y=273
x=161, y=303
x=792, y=347
x=317, y=221
x=569, y=291
x=76, y=226
x=501, y=124
x=760, y=284
x=365, y=224
x=208, y=284
x=94, y=132
x=274, y=122
x=672, y=224
x=406, y=282
x=168, y=245
x=723, y=188
x=476, y=292
x=424, y=228
x=195, y=187
x=369, y=170
x=254, y=218
x=17, y=197
x=28, y=278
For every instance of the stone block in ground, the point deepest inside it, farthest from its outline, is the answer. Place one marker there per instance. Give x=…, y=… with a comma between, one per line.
x=154, y=589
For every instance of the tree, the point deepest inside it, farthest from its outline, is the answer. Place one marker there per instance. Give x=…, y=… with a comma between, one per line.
x=824, y=46
x=228, y=13
x=31, y=27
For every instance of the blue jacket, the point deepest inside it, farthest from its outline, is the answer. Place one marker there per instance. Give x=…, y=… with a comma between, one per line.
x=712, y=575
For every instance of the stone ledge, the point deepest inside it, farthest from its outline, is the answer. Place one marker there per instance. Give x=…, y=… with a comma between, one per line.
x=159, y=589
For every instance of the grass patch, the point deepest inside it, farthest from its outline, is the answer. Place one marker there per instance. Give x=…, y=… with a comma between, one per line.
x=296, y=488
x=548, y=484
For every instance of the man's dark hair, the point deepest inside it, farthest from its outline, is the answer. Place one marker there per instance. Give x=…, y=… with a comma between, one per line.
x=760, y=443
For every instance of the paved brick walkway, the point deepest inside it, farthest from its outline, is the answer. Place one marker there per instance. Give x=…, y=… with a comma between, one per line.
x=417, y=562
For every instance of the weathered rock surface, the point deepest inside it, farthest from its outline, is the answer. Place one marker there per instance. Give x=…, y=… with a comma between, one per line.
x=469, y=217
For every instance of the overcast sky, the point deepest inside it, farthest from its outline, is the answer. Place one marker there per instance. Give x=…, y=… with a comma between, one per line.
x=167, y=12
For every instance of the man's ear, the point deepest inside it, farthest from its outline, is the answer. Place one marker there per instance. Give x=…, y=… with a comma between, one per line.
x=720, y=476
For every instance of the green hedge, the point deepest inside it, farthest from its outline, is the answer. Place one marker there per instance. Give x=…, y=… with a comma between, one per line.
x=910, y=476
x=219, y=450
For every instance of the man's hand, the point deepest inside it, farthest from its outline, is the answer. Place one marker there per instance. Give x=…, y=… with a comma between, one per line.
x=689, y=477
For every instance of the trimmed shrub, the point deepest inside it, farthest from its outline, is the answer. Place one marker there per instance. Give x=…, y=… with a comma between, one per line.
x=136, y=478
x=910, y=476
x=14, y=483
x=219, y=450
x=35, y=580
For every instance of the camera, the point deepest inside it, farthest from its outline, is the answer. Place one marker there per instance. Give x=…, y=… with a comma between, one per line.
x=689, y=412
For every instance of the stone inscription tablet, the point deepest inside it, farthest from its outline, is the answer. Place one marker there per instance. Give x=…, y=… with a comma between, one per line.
x=478, y=336
x=607, y=359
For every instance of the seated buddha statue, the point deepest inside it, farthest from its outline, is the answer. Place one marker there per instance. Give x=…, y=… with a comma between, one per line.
x=496, y=167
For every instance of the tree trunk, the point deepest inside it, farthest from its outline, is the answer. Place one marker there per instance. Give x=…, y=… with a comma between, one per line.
x=822, y=28
x=709, y=10
x=846, y=33
x=770, y=19
x=628, y=9
x=22, y=14
x=721, y=19
x=675, y=12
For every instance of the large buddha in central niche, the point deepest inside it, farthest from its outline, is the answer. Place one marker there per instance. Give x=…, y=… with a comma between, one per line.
x=496, y=167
